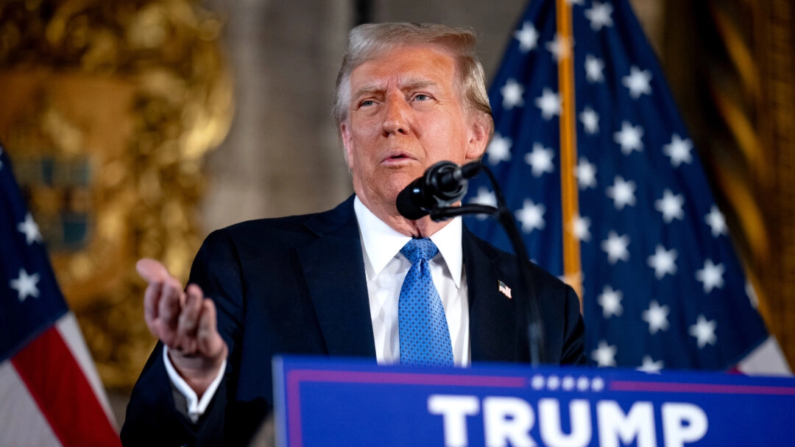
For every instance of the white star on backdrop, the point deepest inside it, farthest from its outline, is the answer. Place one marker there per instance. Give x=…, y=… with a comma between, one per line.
x=656, y=316
x=581, y=228
x=527, y=37
x=616, y=247
x=629, y=138
x=499, y=149
x=704, y=331
x=593, y=69
x=711, y=276
x=679, y=150
x=638, y=82
x=540, y=159
x=622, y=193
x=531, y=216
x=512, y=94
x=560, y=47
x=600, y=15
x=610, y=300
x=549, y=103
x=29, y=229
x=716, y=222
x=590, y=120
x=663, y=262
x=751, y=292
x=670, y=206
x=604, y=355
x=484, y=197
x=586, y=174
x=650, y=366
x=25, y=285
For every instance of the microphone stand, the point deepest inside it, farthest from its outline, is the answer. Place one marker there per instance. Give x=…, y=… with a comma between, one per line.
x=535, y=330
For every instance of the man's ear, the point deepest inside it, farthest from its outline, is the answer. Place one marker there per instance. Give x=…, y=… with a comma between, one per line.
x=480, y=131
x=347, y=142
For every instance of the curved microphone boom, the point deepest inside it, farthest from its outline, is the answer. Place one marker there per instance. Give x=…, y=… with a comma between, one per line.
x=443, y=184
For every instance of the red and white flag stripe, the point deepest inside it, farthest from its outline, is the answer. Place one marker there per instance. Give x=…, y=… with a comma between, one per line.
x=51, y=395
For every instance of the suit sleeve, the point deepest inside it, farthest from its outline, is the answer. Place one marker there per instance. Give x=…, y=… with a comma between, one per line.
x=573, y=352
x=152, y=416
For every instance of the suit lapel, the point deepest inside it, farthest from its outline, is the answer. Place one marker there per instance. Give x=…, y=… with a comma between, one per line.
x=334, y=272
x=492, y=315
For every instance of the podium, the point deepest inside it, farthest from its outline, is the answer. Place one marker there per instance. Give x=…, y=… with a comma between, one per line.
x=325, y=402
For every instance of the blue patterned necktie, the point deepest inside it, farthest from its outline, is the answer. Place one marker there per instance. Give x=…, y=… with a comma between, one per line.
x=424, y=336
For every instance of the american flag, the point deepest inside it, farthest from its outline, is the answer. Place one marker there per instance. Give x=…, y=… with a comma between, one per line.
x=660, y=282
x=50, y=392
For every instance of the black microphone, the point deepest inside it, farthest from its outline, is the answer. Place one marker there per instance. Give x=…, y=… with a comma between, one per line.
x=443, y=184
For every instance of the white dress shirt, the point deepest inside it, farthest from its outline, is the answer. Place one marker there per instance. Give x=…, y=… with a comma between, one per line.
x=385, y=268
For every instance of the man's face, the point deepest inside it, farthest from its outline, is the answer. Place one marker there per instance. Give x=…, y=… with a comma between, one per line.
x=405, y=115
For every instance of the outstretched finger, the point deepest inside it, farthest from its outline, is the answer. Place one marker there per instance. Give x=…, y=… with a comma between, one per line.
x=169, y=310
x=188, y=323
x=209, y=340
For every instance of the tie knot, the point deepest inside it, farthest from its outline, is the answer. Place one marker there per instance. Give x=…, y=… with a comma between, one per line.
x=417, y=250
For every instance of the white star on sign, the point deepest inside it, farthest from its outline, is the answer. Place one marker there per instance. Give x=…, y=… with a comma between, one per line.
x=29, y=229
x=622, y=193
x=656, y=316
x=549, y=103
x=599, y=15
x=581, y=228
x=670, y=206
x=590, y=121
x=540, y=159
x=679, y=150
x=593, y=69
x=499, y=149
x=512, y=94
x=637, y=82
x=586, y=174
x=663, y=261
x=716, y=221
x=604, y=355
x=616, y=247
x=527, y=37
x=610, y=300
x=704, y=331
x=711, y=275
x=629, y=138
x=560, y=47
x=650, y=366
x=531, y=216
x=25, y=285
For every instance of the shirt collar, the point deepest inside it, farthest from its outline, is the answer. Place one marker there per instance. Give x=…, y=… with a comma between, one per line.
x=382, y=243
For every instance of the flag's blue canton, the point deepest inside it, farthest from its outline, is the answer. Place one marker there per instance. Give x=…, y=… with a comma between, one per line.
x=424, y=334
x=30, y=300
x=662, y=286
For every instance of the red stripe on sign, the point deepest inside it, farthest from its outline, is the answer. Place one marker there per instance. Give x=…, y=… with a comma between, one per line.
x=63, y=394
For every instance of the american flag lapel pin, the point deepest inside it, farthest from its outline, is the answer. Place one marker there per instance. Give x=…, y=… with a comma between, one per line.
x=504, y=289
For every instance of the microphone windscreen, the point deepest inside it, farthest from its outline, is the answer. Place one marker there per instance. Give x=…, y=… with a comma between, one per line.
x=407, y=204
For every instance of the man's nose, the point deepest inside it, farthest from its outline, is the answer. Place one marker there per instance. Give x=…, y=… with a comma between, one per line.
x=396, y=116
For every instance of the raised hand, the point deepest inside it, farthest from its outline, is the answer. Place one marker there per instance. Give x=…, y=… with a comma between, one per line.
x=185, y=322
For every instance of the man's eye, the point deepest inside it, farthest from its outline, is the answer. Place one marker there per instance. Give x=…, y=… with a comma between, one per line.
x=366, y=102
x=421, y=97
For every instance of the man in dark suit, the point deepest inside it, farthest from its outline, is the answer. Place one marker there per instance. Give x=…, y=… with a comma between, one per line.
x=332, y=283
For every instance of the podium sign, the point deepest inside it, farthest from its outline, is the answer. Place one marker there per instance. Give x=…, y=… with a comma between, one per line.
x=324, y=402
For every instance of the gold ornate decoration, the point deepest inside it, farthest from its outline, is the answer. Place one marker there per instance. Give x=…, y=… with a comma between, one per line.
x=108, y=110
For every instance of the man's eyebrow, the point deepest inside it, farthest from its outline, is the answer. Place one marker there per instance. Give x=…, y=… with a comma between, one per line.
x=411, y=84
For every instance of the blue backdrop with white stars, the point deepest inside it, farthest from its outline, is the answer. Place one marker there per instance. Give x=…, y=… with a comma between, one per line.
x=30, y=300
x=662, y=286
